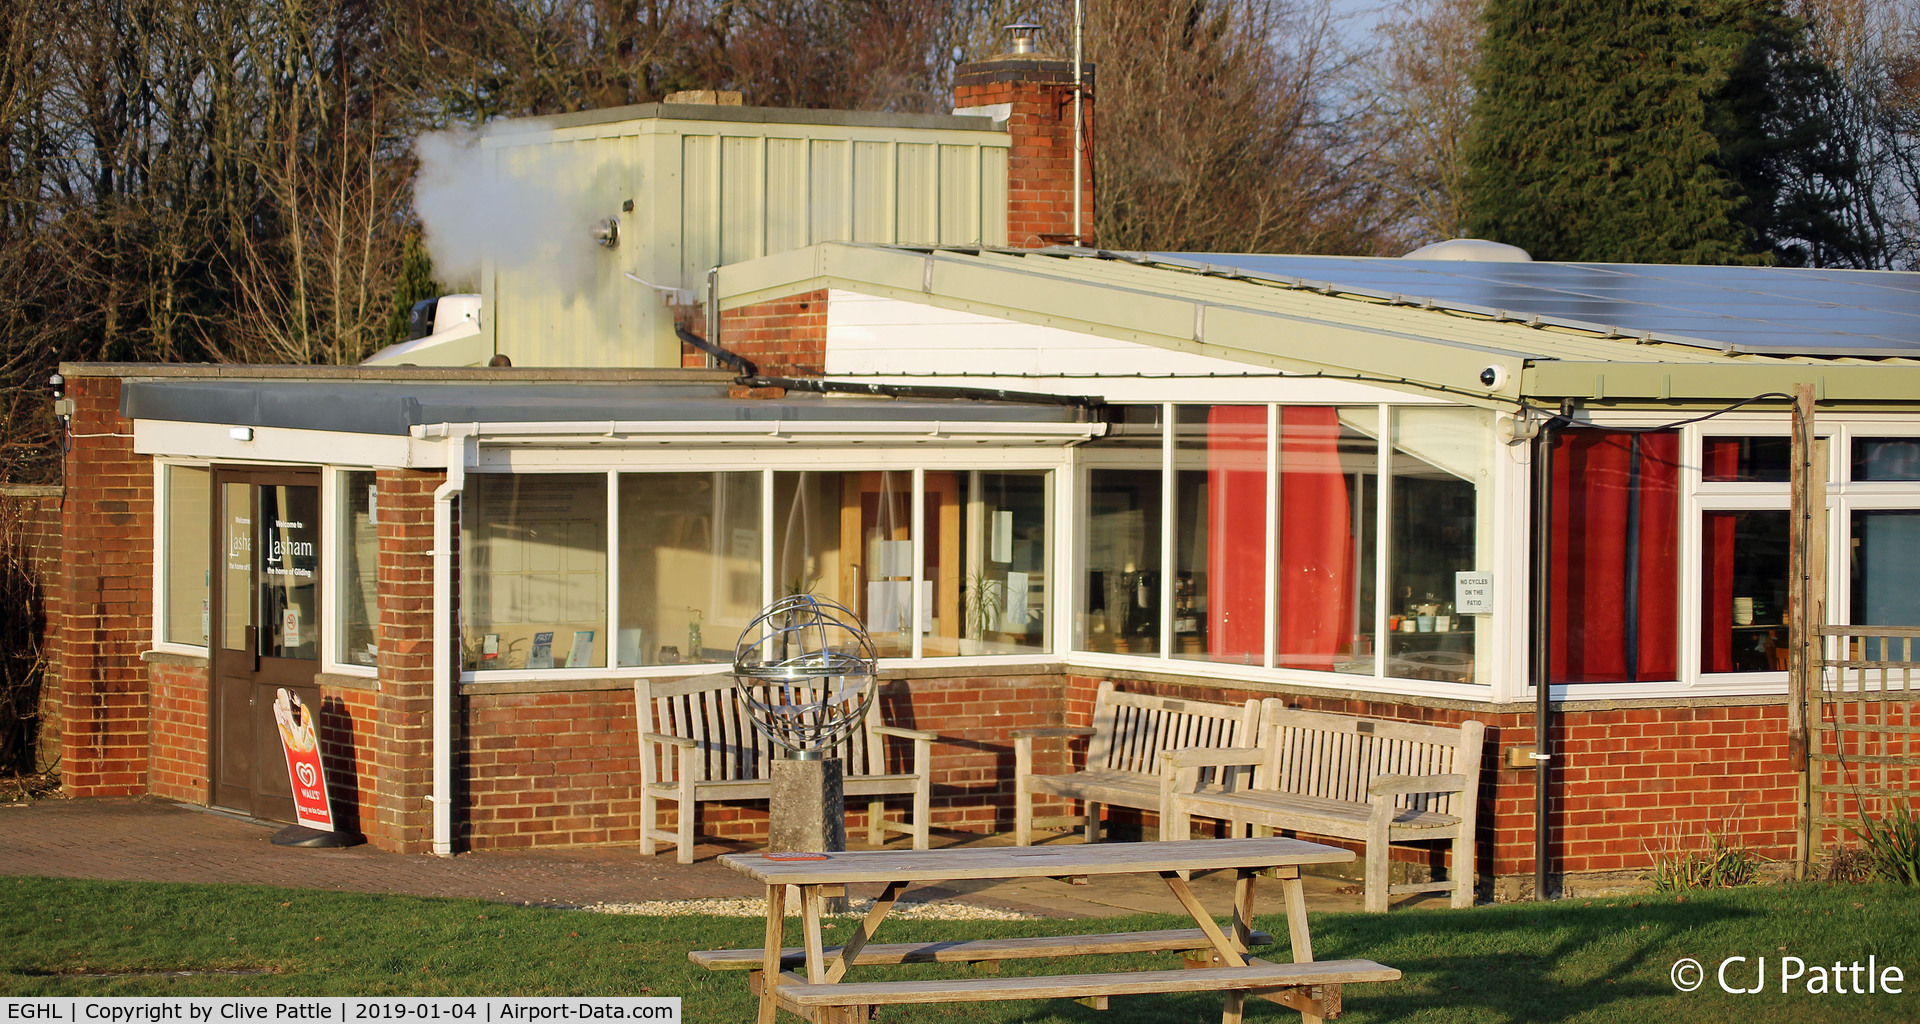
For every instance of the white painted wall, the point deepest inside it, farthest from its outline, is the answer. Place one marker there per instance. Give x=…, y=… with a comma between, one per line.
x=914, y=343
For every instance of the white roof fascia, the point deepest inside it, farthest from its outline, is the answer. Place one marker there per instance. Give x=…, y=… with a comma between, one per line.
x=707, y=433
x=222, y=442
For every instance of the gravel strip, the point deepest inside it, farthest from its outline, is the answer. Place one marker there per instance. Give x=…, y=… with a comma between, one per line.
x=756, y=906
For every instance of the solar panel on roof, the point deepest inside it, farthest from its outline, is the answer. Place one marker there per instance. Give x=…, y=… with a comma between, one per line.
x=1773, y=310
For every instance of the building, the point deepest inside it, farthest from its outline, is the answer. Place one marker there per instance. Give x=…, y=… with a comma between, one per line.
x=1212, y=475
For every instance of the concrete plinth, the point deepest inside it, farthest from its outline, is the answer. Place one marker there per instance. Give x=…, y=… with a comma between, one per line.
x=809, y=807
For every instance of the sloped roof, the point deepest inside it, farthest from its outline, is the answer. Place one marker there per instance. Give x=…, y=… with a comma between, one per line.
x=1340, y=322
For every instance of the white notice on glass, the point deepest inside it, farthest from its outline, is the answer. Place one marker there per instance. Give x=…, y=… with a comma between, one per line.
x=1473, y=593
x=1003, y=535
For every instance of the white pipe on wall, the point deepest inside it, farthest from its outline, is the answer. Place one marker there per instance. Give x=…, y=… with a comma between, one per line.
x=459, y=449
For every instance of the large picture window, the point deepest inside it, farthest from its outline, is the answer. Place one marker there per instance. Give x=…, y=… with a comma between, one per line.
x=1614, y=553
x=1120, y=610
x=690, y=576
x=1275, y=537
x=534, y=565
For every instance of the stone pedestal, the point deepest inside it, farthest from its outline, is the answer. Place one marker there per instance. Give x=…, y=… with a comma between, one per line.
x=808, y=813
x=808, y=810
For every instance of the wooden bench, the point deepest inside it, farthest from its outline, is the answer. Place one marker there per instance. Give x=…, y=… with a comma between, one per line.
x=1287, y=984
x=975, y=951
x=1129, y=735
x=1351, y=778
x=697, y=746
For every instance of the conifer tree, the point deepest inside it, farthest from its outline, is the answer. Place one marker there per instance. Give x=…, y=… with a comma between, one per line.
x=1630, y=130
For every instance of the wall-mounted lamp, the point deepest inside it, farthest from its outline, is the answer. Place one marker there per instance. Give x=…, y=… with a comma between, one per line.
x=240, y=433
x=607, y=232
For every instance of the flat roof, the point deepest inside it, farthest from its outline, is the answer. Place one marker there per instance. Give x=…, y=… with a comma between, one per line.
x=396, y=407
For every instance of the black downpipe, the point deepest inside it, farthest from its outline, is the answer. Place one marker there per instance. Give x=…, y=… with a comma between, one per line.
x=1541, y=661
x=739, y=363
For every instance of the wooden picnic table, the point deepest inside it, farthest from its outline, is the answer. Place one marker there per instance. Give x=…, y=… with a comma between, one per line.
x=817, y=992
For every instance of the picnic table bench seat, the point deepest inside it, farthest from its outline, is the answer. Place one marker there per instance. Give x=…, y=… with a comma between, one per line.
x=974, y=951
x=697, y=745
x=1123, y=763
x=1257, y=976
x=1376, y=781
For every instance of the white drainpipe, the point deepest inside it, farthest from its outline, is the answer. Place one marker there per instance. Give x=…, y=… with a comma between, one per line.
x=459, y=449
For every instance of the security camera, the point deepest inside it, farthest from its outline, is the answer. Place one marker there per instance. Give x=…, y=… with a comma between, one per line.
x=1493, y=378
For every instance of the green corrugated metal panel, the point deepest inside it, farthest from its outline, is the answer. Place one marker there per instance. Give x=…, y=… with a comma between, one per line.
x=719, y=191
x=873, y=188
x=699, y=203
x=743, y=199
x=916, y=193
x=993, y=196
x=831, y=187
x=960, y=195
x=789, y=207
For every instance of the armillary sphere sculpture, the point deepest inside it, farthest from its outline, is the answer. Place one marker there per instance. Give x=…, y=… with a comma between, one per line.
x=806, y=670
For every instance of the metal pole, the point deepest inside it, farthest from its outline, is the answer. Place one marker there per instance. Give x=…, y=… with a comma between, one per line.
x=1542, y=654
x=1079, y=237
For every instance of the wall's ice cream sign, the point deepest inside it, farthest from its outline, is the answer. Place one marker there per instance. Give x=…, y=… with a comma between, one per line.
x=302, y=744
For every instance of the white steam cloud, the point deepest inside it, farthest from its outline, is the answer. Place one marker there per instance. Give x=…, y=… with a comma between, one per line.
x=517, y=217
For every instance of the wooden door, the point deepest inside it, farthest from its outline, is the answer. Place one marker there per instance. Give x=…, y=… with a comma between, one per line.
x=265, y=630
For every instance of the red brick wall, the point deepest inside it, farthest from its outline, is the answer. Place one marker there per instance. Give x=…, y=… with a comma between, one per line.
x=1627, y=781
x=783, y=337
x=348, y=714
x=1040, y=157
x=398, y=728
x=177, y=758
x=104, y=599
x=551, y=769
x=30, y=530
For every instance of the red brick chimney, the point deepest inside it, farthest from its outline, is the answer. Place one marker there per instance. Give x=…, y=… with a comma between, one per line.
x=1033, y=93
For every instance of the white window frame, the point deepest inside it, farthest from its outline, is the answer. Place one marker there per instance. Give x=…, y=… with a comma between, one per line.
x=1053, y=460
x=1506, y=559
x=162, y=556
x=333, y=482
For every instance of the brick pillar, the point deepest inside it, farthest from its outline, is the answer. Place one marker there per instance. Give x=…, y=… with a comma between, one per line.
x=1035, y=95
x=100, y=611
x=401, y=755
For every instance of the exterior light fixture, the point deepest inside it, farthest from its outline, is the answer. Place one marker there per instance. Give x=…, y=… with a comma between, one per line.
x=607, y=232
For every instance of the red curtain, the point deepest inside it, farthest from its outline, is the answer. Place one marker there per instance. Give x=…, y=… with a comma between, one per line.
x=1616, y=519
x=1236, y=531
x=1316, y=585
x=1716, y=584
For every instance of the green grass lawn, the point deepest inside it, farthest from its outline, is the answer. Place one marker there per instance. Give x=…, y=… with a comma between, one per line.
x=1578, y=960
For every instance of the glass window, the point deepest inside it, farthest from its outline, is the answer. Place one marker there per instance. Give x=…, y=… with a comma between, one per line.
x=1220, y=536
x=289, y=571
x=236, y=585
x=189, y=534
x=1439, y=475
x=1743, y=591
x=690, y=576
x=1886, y=568
x=988, y=556
x=849, y=537
x=1761, y=459
x=1329, y=498
x=358, y=578
x=1886, y=458
x=1614, y=594
x=535, y=571
x=1122, y=605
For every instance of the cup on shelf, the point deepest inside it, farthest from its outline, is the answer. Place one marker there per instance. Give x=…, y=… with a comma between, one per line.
x=1743, y=611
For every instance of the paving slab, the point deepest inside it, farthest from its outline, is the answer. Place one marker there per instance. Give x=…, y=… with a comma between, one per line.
x=144, y=839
